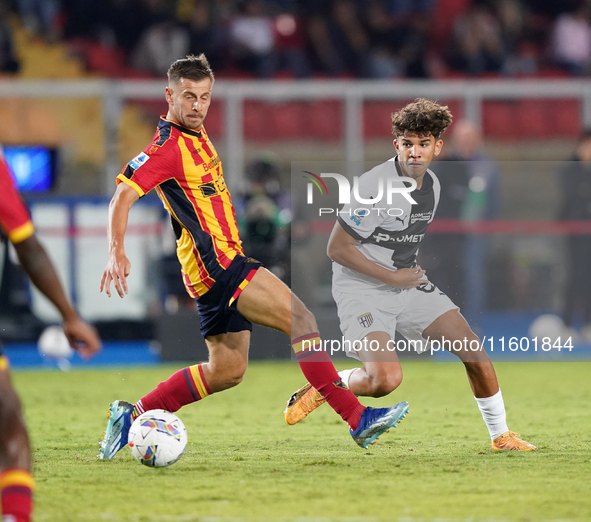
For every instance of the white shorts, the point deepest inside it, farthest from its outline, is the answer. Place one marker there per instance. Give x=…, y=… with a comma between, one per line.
x=408, y=312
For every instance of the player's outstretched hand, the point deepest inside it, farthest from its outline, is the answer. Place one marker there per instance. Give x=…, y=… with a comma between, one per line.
x=117, y=270
x=408, y=277
x=82, y=337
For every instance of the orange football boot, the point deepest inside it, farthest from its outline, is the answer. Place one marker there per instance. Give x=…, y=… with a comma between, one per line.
x=302, y=403
x=511, y=441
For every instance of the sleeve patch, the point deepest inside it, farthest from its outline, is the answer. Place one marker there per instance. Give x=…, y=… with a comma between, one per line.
x=139, y=160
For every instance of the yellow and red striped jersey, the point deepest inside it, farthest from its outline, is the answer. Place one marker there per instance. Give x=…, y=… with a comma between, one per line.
x=15, y=220
x=186, y=171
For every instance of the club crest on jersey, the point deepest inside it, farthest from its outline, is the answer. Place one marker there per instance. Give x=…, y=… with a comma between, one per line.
x=365, y=320
x=139, y=160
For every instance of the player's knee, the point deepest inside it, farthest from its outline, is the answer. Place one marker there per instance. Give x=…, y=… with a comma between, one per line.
x=385, y=383
x=235, y=376
x=302, y=317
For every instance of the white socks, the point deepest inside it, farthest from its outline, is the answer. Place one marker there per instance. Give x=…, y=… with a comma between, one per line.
x=493, y=414
x=345, y=375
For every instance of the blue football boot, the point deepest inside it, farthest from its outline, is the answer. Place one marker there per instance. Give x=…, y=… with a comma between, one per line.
x=115, y=436
x=376, y=421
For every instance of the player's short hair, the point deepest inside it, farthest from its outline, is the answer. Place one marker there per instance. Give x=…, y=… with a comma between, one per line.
x=192, y=67
x=422, y=118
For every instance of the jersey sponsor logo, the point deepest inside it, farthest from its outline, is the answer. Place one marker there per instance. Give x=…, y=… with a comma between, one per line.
x=211, y=164
x=213, y=188
x=406, y=238
x=365, y=320
x=139, y=160
x=421, y=216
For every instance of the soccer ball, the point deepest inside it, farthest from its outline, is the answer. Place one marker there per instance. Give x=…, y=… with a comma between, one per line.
x=157, y=438
x=53, y=343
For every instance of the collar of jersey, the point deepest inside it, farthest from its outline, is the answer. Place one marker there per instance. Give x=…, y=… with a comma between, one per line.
x=198, y=134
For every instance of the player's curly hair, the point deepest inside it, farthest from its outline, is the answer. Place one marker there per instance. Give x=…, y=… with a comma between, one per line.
x=192, y=67
x=422, y=117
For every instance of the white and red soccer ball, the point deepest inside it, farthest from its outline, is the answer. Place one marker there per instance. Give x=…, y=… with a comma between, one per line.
x=157, y=438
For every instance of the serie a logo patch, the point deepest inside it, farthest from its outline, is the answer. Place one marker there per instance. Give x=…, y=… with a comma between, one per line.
x=365, y=320
x=139, y=160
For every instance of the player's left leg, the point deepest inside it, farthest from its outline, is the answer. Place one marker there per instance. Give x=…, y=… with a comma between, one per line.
x=228, y=358
x=451, y=326
x=16, y=482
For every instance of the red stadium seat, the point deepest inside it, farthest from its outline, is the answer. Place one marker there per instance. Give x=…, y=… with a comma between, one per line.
x=498, y=119
x=564, y=118
x=376, y=118
x=287, y=120
x=324, y=120
x=530, y=118
x=256, y=121
x=109, y=61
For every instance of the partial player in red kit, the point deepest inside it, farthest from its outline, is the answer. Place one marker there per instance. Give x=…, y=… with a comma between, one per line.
x=16, y=482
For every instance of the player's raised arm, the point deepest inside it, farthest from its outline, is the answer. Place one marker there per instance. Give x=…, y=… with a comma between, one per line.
x=118, y=266
x=342, y=250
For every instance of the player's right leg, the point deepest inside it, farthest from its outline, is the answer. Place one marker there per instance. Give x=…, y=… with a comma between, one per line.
x=380, y=375
x=16, y=482
x=269, y=302
x=228, y=358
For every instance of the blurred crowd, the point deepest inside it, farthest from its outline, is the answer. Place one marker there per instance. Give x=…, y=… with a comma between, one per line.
x=322, y=38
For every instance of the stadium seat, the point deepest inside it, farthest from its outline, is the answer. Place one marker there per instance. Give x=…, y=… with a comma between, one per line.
x=109, y=61
x=256, y=121
x=376, y=118
x=564, y=118
x=287, y=120
x=324, y=120
x=531, y=120
x=498, y=119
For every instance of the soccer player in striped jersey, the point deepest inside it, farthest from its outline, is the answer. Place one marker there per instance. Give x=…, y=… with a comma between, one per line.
x=16, y=482
x=379, y=288
x=232, y=291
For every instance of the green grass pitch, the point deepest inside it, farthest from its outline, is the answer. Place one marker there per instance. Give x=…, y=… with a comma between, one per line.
x=244, y=463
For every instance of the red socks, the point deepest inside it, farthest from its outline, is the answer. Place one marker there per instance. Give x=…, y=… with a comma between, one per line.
x=17, y=486
x=320, y=372
x=188, y=385
x=183, y=387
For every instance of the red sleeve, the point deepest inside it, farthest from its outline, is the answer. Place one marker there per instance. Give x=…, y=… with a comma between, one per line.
x=14, y=216
x=150, y=168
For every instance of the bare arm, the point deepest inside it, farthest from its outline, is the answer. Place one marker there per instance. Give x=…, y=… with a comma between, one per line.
x=341, y=249
x=35, y=261
x=118, y=266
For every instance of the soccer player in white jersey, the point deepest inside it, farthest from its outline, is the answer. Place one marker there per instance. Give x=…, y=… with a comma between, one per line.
x=380, y=289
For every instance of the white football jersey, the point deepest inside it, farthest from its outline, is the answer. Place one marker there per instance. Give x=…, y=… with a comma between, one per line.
x=389, y=234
